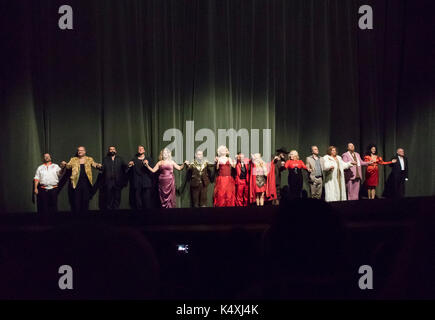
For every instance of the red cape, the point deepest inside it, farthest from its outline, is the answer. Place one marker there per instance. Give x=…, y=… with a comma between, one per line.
x=270, y=183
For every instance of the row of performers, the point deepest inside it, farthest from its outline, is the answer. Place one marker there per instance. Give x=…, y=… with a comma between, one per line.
x=255, y=181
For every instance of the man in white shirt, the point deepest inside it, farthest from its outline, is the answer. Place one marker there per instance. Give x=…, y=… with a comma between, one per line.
x=45, y=185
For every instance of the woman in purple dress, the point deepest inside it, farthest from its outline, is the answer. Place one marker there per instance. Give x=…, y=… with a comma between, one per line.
x=166, y=166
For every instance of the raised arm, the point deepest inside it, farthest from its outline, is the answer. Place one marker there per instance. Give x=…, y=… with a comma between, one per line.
x=328, y=165
x=393, y=161
x=347, y=165
x=305, y=166
x=60, y=171
x=69, y=164
x=130, y=164
x=364, y=162
x=381, y=161
x=178, y=167
x=153, y=170
x=96, y=165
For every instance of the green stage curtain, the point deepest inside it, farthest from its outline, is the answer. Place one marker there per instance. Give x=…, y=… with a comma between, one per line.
x=129, y=70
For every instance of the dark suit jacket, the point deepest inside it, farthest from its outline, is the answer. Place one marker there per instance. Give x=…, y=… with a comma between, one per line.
x=114, y=172
x=396, y=169
x=395, y=176
x=141, y=177
x=196, y=176
x=279, y=167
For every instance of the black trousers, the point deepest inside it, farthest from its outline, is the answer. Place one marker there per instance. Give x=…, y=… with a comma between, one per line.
x=142, y=198
x=199, y=196
x=399, y=185
x=81, y=196
x=112, y=197
x=47, y=200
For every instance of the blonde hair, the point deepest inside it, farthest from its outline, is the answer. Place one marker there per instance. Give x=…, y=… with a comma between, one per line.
x=258, y=161
x=161, y=154
x=222, y=151
x=256, y=157
x=294, y=153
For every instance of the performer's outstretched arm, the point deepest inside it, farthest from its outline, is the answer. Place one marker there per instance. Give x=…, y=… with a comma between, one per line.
x=96, y=165
x=67, y=165
x=178, y=167
x=156, y=167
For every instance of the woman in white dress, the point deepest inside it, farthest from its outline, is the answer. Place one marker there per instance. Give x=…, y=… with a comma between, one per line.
x=335, y=187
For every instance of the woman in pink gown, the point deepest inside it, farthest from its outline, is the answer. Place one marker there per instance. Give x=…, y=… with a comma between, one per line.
x=166, y=166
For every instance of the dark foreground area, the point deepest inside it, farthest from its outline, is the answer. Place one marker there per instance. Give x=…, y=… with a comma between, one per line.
x=304, y=249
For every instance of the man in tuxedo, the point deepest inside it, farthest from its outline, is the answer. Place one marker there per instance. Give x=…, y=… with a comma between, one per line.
x=398, y=175
x=114, y=179
x=141, y=180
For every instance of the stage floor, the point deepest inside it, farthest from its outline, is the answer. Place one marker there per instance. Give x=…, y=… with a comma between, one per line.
x=352, y=212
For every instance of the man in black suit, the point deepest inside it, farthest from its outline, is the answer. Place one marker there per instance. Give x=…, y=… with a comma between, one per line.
x=114, y=179
x=398, y=175
x=141, y=180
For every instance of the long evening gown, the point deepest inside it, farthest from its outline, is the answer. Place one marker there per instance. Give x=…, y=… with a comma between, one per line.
x=224, y=189
x=167, y=186
x=295, y=178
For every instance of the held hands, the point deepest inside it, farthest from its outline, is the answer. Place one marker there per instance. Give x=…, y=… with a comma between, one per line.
x=63, y=164
x=216, y=159
x=354, y=163
x=186, y=162
x=130, y=164
x=394, y=160
x=145, y=162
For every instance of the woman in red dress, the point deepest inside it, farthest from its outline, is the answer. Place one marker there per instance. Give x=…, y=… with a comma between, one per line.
x=295, y=179
x=372, y=172
x=262, y=181
x=224, y=189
